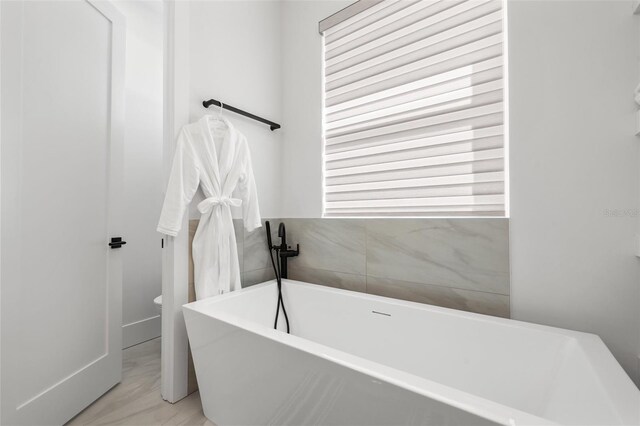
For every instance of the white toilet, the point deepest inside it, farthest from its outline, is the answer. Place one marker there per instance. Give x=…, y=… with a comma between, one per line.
x=158, y=302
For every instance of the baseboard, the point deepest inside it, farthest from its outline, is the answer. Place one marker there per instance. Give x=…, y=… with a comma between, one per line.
x=141, y=331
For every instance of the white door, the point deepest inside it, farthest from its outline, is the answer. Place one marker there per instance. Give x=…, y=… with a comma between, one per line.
x=61, y=123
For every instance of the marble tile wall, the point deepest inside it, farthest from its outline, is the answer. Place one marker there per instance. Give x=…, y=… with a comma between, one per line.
x=456, y=263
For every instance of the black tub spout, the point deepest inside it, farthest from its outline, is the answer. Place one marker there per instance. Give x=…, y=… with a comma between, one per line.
x=285, y=251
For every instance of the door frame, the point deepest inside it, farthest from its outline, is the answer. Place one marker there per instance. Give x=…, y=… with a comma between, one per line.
x=37, y=409
x=175, y=255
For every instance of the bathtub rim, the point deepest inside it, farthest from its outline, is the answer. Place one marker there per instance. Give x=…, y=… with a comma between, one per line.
x=597, y=353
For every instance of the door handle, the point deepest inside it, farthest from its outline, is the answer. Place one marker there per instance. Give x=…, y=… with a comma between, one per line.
x=116, y=242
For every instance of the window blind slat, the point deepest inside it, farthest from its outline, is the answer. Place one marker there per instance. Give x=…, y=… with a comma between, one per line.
x=359, y=108
x=458, y=211
x=418, y=162
x=482, y=46
x=410, y=73
x=375, y=40
x=482, y=94
x=414, y=114
x=416, y=143
x=367, y=17
x=468, y=75
x=430, y=134
x=386, y=17
x=426, y=152
x=467, y=110
x=420, y=182
x=482, y=166
x=464, y=200
x=485, y=188
x=470, y=31
x=453, y=121
x=415, y=61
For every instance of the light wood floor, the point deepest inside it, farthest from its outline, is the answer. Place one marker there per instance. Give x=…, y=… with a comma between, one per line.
x=136, y=401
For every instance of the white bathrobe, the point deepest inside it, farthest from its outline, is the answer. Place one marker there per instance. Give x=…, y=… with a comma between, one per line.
x=211, y=153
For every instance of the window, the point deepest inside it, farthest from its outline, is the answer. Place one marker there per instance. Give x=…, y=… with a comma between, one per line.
x=413, y=110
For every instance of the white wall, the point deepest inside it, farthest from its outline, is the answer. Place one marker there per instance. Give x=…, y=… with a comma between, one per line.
x=235, y=57
x=573, y=68
x=302, y=105
x=142, y=170
x=573, y=154
x=266, y=57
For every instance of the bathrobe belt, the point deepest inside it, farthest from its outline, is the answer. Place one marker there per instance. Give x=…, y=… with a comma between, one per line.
x=224, y=273
x=208, y=204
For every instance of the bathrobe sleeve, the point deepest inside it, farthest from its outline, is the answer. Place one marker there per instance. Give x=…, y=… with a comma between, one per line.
x=246, y=191
x=182, y=186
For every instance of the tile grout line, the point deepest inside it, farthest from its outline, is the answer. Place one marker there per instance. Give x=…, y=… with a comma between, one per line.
x=366, y=255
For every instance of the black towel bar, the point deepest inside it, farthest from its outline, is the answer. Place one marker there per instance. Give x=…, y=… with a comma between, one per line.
x=272, y=125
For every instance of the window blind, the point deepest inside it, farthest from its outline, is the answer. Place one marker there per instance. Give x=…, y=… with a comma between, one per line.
x=413, y=110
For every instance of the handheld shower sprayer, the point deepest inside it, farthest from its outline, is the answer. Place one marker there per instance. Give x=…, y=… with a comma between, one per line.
x=277, y=272
x=267, y=225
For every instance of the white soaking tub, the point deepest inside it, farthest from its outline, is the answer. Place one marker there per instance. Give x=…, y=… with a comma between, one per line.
x=357, y=359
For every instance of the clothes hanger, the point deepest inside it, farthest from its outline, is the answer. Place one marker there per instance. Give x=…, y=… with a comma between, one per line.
x=218, y=120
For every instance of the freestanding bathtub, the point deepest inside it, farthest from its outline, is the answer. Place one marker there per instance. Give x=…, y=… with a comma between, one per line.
x=357, y=359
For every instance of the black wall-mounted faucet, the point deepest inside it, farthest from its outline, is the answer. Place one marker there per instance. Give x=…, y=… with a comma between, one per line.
x=285, y=251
